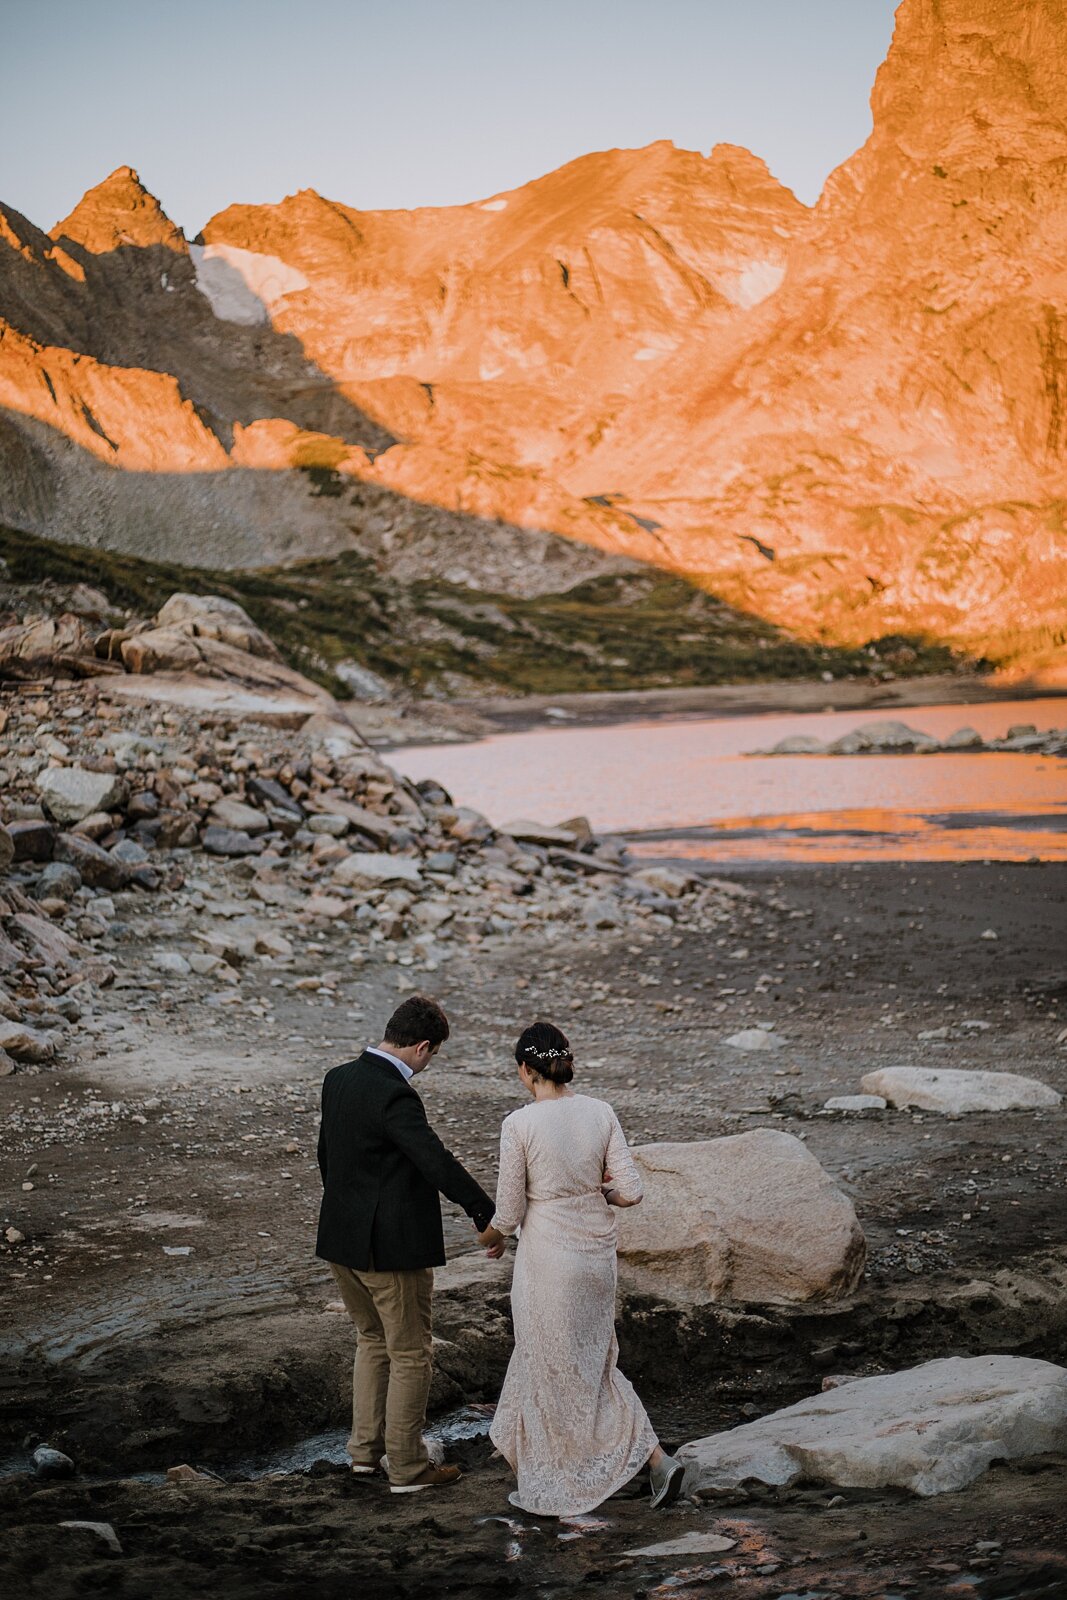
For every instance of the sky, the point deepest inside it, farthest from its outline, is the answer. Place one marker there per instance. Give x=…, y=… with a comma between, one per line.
x=402, y=103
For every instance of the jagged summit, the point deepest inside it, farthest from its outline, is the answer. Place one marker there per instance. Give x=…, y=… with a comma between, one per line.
x=119, y=211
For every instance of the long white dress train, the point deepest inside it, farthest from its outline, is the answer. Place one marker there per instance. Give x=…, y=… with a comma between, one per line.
x=568, y=1422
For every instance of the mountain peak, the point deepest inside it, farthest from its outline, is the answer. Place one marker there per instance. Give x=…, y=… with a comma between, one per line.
x=120, y=211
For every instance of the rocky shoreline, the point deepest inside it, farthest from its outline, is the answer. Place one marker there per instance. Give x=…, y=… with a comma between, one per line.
x=249, y=838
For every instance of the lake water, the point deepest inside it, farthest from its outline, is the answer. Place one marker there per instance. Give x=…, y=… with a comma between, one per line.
x=688, y=788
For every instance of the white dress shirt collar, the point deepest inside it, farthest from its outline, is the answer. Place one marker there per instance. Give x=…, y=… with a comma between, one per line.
x=387, y=1055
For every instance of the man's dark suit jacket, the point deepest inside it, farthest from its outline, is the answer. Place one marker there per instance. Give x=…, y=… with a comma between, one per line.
x=383, y=1168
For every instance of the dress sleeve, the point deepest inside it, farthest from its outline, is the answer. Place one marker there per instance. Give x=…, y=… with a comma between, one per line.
x=620, y=1163
x=511, y=1184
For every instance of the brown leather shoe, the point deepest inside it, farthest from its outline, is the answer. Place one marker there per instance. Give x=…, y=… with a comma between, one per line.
x=431, y=1477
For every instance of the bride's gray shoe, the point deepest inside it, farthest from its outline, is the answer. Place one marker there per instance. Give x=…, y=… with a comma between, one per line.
x=666, y=1481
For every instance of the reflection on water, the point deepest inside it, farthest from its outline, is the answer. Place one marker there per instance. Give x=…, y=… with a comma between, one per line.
x=857, y=835
x=694, y=782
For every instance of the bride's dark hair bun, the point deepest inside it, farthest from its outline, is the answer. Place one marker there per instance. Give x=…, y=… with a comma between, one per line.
x=546, y=1051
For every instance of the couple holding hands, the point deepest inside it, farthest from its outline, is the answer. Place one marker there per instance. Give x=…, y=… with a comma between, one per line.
x=568, y=1422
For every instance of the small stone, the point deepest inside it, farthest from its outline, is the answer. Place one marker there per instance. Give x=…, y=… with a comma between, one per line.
x=103, y=1531
x=856, y=1102
x=33, y=840
x=129, y=851
x=694, y=1543
x=671, y=881
x=372, y=869
x=442, y=861
x=49, y=1463
x=25, y=1044
x=69, y=793
x=989, y=933
x=14, y=1236
x=171, y=961
x=203, y=964
x=326, y=823
x=328, y=906
x=59, y=880
x=236, y=816
x=187, y=1474
x=98, y=868
x=219, y=841
x=755, y=1039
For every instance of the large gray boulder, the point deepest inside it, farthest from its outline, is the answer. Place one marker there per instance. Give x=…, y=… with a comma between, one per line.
x=931, y=1429
x=749, y=1218
x=954, y=1090
x=69, y=794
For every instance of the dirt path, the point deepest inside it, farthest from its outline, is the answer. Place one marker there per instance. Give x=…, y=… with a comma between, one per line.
x=165, y=1305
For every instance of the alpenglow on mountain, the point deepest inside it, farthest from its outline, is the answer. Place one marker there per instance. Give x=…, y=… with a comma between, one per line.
x=849, y=419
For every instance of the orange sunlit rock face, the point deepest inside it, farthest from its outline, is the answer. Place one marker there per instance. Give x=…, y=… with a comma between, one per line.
x=851, y=419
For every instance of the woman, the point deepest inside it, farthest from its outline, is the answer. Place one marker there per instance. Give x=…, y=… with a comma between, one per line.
x=568, y=1423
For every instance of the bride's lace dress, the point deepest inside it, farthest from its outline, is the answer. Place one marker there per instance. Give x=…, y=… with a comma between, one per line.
x=568, y=1422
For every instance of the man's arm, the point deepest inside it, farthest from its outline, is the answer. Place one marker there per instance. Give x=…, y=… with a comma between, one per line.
x=406, y=1125
x=322, y=1152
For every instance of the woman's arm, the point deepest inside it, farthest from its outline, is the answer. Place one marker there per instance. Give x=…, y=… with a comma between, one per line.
x=510, y=1192
x=622, y=1181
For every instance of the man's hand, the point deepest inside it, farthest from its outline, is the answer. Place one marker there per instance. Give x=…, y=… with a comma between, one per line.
x=495, y=1243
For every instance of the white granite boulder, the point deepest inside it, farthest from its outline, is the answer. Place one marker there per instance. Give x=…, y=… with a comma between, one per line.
x=932, y=1429
x=958, y=1090
x=749, y=1218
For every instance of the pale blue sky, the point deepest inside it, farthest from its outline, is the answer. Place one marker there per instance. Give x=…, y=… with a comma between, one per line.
x=382, y=103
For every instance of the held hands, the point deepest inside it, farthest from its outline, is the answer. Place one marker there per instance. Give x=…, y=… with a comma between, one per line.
x=494, y=1242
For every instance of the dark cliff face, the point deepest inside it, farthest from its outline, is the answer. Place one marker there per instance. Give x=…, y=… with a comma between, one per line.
x=848, y=420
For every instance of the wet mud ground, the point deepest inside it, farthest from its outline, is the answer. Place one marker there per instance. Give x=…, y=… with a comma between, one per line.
x=165, y=1306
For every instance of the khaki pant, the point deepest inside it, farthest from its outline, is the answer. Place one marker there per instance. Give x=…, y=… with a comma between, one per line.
x=391, y=1373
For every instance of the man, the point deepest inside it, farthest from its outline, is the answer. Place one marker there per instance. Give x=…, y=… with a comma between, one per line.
x=383, y=1168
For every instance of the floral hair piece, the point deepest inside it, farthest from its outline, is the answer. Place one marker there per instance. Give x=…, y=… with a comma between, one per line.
x=545, y=1055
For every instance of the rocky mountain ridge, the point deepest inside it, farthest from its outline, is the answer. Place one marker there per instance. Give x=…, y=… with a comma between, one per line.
x=848, y=420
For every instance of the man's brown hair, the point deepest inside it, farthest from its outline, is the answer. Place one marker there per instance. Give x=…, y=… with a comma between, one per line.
x=415, y=1019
